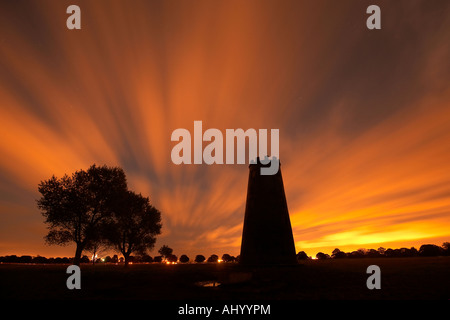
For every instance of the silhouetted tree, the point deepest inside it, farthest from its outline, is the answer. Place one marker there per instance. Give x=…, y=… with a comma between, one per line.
x=199, y=258
x=74, y=206
x=184, y=258
x=172, y=258
x=446, y=248
x=165, y=251
x=213, y=258
x=389, y=253
x=226, y=257
x=146, y=258
x=413, y=252
x=157, y=259
x=322, y=256
x=133, y=226
x=302, y=256
x=338, y=254
x=334, y=252
x=430, y=250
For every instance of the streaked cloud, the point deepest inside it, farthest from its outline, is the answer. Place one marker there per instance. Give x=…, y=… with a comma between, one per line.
x=363, y=115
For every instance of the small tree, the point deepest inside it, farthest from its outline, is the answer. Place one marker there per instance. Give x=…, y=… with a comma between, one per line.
x=146, y=258
x=226, y=257
x=184, y=258
x=322, y=256
x=172, y=258
x=302, y=255
x=213, y=258
x=430, y=250
x=165, y=251
x=446, y=248
x=199, y=258
x=338, y=254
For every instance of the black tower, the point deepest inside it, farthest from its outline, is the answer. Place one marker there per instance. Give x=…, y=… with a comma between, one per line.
x=267, y=234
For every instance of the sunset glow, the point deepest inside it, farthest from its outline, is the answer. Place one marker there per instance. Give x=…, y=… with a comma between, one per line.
x=363, y=116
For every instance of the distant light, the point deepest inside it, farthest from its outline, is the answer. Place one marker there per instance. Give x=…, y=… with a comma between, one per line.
x=219, y=260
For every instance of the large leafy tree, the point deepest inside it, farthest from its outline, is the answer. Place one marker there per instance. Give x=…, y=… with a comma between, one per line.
x=75, y=206
x=133, y=226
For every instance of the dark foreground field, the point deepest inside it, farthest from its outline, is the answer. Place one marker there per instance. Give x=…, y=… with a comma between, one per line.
x=401, y=278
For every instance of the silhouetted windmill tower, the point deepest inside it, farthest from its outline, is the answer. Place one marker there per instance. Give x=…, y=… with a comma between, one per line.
x=267, y=234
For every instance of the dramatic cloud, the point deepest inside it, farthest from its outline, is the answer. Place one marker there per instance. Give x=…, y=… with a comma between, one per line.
x=363, y=114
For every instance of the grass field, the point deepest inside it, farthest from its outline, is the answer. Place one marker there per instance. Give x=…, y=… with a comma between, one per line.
x=401, y=278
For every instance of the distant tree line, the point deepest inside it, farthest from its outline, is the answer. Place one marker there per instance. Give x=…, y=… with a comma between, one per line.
x=115, y=259
x=167, y=256
x=426, y=250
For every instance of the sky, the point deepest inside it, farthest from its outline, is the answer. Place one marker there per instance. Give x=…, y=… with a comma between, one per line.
x=363, y=115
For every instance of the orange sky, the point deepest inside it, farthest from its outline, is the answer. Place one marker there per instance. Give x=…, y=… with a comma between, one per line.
x=363, y=115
